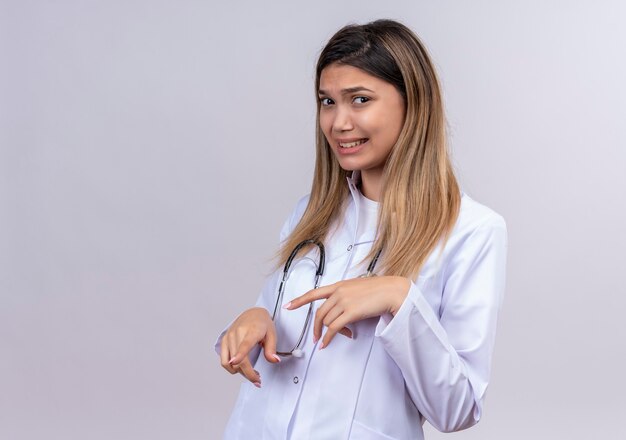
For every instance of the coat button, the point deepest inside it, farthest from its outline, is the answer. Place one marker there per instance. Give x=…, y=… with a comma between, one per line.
x=295, y=379
x=349, y=248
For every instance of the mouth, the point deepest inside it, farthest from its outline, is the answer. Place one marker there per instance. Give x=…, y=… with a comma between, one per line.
x=352, y=144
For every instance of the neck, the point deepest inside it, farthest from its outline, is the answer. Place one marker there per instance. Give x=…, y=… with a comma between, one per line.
x=371, y=184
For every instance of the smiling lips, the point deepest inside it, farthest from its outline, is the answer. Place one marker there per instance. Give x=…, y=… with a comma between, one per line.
x=351, y=146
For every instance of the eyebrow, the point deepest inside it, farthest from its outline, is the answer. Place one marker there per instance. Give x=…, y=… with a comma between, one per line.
x=348, y=90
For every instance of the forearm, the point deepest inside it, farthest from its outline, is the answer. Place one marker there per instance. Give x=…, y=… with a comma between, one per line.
x=446, y=387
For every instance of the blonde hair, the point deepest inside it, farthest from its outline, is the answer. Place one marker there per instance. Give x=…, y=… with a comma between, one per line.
x=420, y=196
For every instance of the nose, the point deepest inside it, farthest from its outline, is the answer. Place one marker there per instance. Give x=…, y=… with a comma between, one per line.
x=343, y=120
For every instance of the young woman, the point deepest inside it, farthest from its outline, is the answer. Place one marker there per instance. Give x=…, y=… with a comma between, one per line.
x=372, y=357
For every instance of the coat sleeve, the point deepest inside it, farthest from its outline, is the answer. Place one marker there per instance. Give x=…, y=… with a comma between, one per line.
x=269, y=291
x=445, y=357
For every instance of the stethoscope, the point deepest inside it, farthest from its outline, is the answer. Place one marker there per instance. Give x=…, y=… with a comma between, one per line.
x=296, y=351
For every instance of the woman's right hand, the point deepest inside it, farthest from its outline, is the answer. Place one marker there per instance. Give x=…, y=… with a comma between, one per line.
x=252, y=327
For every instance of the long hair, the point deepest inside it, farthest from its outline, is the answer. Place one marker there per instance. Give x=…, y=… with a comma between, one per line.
x=420, y=196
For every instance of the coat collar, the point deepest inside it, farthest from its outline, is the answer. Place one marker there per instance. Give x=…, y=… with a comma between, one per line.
x=353, y=183
x=353, y=209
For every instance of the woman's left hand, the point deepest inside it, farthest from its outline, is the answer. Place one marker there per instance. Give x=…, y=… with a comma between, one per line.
x=352, y=300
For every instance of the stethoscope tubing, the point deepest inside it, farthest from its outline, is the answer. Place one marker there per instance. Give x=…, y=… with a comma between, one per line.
x=296, y=351
x=281, y=289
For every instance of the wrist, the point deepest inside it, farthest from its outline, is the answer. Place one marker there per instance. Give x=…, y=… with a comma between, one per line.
x=400, y=292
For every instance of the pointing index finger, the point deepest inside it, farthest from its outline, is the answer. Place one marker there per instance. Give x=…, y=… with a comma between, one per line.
x=310, y=296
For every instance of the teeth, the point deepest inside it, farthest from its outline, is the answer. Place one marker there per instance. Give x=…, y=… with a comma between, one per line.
x=351, y=144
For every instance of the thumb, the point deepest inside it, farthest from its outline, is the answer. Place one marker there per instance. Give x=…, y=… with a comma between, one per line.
x=269, y=345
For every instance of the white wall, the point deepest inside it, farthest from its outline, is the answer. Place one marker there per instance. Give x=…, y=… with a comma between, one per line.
x=150, y=150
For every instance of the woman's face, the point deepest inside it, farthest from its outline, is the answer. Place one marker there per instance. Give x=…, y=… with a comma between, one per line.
x=361, y=117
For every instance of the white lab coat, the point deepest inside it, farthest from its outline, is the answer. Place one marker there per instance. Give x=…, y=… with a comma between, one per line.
x=431, y=361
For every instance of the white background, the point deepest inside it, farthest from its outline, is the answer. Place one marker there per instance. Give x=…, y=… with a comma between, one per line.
x=150, y=151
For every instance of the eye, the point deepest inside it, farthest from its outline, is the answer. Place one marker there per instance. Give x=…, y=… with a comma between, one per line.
x=326, y=102
x=361, y=99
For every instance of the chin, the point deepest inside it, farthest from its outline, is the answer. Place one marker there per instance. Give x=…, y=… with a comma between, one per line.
x=350, y=165
x=349, y=168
